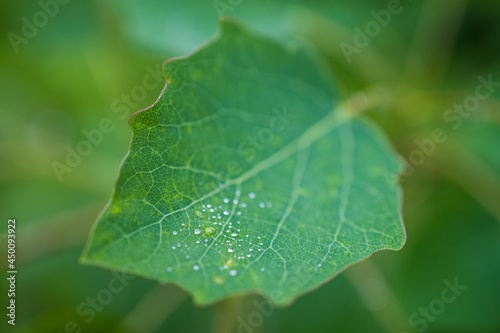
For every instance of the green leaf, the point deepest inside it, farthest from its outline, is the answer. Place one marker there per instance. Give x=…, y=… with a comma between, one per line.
x=247, y=175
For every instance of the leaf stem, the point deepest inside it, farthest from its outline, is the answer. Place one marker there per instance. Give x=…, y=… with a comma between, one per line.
x=227, y=312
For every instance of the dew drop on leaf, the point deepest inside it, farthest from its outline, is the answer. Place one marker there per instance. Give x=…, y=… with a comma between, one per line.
x=209, y=231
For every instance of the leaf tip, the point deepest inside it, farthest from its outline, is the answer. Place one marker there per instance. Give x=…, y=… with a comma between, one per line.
x=230, y=24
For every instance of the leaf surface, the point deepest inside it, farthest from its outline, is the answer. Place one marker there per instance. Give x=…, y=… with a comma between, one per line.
x=248, y=175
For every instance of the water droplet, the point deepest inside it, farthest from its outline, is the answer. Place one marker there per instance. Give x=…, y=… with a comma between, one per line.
x=233, y=272
x=169, y=269
x=173, y=247
x=196, y=267
x=243, y=205
x=234, y=234
x=175, y=233
x=235, y=201
x=249, y=255
x=209, y=231
x=262, y=269
x=251, y=195
x=229, y=250
x=226, y=213
x=319, y=265
x=197, y=231
x=262, y=205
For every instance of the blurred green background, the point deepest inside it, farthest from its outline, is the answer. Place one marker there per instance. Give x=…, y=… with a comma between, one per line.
x=77, y=67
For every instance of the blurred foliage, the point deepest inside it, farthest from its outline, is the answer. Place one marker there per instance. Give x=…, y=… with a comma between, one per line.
x=66, y=78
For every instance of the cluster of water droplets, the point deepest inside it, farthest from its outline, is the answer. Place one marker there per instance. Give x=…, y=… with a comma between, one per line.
x=219, y=226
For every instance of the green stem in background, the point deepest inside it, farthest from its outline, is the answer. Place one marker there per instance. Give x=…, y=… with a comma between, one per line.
x=154, y=309
x=327, y=35
x=469, y=172
x=434, y=39
x=376, y=293
x=227, y=312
